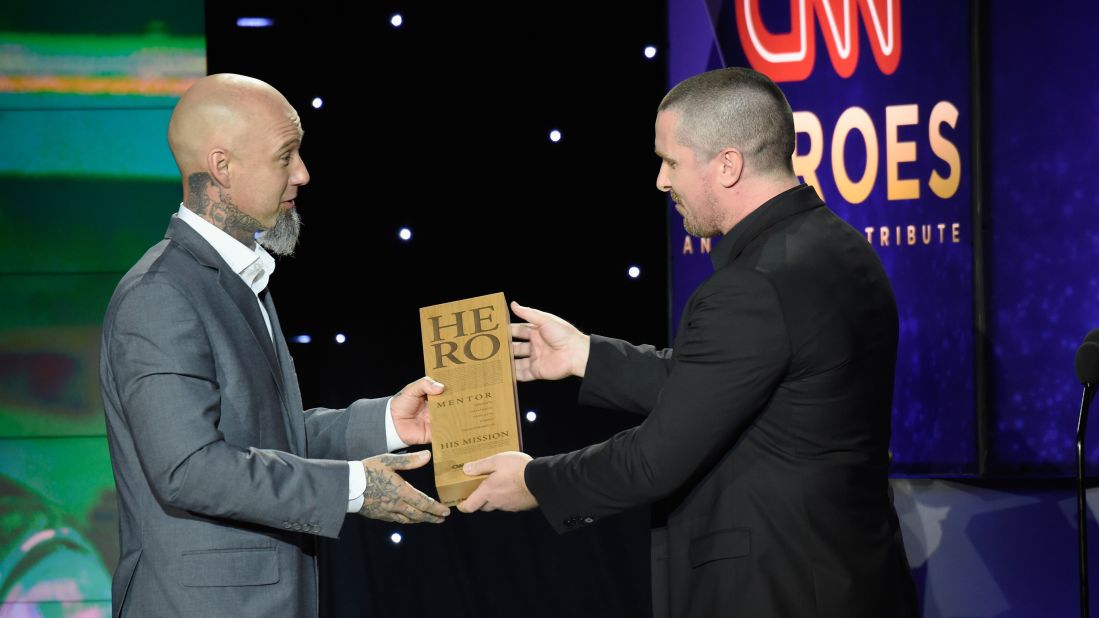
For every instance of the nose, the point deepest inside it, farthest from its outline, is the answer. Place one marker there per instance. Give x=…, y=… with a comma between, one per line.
x=300, y=176
x=662, y=181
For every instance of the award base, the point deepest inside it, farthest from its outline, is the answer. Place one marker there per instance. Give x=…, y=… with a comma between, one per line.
x=459, y=490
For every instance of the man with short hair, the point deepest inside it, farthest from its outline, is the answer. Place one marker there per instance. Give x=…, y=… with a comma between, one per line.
x=222, y=477
x=765, y=441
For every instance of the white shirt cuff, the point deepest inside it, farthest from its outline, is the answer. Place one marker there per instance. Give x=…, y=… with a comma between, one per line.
x=393, y=441
x=356, y=485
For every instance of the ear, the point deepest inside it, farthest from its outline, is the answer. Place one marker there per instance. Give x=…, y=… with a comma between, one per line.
x=730, y=167
x=217, y=163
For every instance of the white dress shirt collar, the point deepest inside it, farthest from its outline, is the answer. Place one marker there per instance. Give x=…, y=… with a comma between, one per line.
x=254, y=266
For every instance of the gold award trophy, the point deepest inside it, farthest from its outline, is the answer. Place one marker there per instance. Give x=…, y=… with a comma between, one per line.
x=467, y=347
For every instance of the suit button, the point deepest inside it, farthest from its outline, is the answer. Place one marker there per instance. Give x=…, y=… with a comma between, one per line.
x=571, y=521
x=286, y=525
x=588, y=520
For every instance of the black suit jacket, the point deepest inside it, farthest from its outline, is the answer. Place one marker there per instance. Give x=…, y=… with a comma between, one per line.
x=767, y=430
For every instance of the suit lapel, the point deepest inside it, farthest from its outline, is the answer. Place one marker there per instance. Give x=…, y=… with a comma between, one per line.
x=245, y=302
x=292, y=407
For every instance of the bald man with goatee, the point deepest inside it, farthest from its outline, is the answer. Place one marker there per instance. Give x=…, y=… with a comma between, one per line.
x=223, y=479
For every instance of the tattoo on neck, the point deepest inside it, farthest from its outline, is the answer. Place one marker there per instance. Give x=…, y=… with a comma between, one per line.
x=197, y=201
x=213, y=203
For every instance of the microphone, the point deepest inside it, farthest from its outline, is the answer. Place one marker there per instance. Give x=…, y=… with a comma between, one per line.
x=1087, y=370
x=1087, y=360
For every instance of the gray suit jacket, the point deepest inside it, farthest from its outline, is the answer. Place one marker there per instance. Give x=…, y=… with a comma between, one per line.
x=222, y=477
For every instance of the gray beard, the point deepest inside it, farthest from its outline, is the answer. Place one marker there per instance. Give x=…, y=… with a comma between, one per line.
x=282, y=239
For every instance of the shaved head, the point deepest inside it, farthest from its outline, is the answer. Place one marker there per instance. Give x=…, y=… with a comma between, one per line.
x=235, y=140
x=736, y=107
x=214, y=112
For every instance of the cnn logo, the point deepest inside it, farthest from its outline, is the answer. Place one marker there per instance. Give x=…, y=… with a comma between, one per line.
x=789, y=57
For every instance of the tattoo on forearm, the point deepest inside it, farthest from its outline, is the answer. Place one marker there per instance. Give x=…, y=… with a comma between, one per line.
x=215, y=204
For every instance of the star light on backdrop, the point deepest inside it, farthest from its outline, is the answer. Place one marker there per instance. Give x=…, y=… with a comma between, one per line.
x=255, y=22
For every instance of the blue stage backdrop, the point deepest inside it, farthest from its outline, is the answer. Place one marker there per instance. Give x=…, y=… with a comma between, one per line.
x=881, y=96
x=1042, y=238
